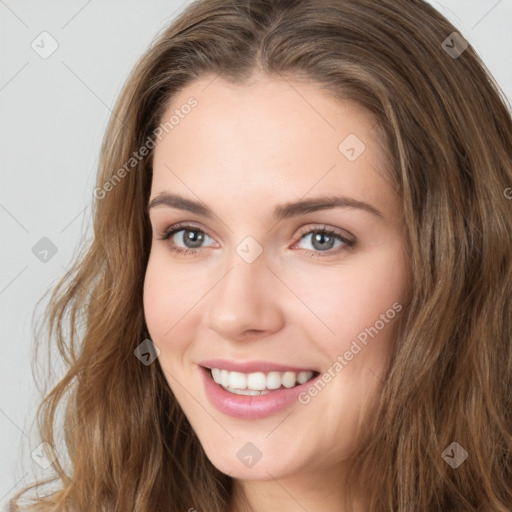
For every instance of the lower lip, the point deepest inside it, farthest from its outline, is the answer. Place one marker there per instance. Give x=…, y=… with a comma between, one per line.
x=250, y=407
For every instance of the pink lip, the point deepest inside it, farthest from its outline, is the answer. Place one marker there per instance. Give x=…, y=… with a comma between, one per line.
x=250, y=407
x=250, y=366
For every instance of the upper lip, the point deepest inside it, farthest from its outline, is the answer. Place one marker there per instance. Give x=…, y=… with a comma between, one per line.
x=251, y=366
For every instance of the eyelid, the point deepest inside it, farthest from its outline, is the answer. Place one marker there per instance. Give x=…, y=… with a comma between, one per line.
x=343, y=233
x=183, y=226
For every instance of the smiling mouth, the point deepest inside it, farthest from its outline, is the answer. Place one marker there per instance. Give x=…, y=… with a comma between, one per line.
x=259, y=383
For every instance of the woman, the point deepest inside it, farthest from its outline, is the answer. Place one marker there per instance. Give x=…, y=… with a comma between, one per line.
x=229, y=360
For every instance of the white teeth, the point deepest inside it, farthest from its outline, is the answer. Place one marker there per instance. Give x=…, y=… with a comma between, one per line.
x=303, y=377
x=273, y=380
x=258, y=383
x=237, y=380
x=246, y=391
x=288, y=379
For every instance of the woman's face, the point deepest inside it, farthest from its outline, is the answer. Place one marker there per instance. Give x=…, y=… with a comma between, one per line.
x=253, y=174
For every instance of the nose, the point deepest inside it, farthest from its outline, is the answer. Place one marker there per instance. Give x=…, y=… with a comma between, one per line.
x=246, y=301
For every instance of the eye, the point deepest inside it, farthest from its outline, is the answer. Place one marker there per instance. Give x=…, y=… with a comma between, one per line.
x=323, y=241
x=190, y=236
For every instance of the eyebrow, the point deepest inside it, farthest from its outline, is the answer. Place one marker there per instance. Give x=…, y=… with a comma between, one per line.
x=281, y=211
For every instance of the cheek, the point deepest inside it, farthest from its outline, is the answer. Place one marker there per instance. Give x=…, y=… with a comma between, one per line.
x=154, y=298
x=170, y=299
x=370, y=300
x=354, y=298
x=162, y=298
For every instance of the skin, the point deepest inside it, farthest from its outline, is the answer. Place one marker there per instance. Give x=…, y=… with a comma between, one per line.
x=241, y=151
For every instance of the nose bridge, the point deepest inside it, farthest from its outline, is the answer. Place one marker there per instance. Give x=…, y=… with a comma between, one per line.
x=244, y=298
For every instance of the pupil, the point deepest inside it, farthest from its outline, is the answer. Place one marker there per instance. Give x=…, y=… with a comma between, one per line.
x=195, y=237
x=321, y=238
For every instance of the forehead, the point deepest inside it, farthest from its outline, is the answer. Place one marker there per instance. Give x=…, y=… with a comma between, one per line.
x=268, y=139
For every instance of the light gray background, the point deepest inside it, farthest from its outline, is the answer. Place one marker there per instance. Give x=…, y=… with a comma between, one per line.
x=53, y=115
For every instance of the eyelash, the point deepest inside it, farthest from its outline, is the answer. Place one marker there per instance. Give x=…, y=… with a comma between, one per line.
x=348, y=244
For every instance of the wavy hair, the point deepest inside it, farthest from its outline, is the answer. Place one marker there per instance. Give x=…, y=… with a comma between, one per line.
x=448, y=133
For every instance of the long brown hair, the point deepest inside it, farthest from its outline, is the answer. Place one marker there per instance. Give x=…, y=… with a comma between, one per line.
x=448, y=133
